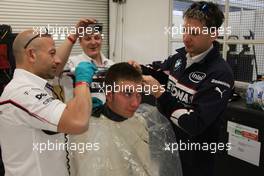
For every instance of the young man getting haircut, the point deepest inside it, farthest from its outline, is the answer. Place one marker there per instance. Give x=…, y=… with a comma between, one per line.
x=120, y=139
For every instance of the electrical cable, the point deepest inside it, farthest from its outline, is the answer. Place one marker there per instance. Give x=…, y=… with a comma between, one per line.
x=66, y=139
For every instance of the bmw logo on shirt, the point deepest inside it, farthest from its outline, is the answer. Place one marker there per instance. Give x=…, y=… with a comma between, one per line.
x=177, y=65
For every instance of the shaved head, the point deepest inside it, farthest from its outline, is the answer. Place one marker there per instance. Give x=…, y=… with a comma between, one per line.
x=20, y=41
x=36, y=53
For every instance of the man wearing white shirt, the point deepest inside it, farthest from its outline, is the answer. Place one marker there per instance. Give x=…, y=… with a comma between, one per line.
x=32, y=121
x=91, y=45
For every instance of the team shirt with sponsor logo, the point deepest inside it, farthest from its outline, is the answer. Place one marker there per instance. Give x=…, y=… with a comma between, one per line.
x=198, y=91
x=26, y=108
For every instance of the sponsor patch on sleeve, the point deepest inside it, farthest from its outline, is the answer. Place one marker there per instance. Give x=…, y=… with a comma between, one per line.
x=214, y=81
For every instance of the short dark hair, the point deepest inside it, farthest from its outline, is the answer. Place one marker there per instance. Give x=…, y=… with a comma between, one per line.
x=122, y=72
x=206, y=12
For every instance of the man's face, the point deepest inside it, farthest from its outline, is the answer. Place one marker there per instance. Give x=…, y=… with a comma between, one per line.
x=91, y=45
x=126, y=101
x=46, y=61
x=195, y=38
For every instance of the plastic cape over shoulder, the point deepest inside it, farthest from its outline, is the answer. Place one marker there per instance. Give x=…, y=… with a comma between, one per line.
x=138, y=146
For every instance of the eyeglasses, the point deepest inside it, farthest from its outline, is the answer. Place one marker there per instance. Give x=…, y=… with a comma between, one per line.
x=46, y=34
x=202, y=7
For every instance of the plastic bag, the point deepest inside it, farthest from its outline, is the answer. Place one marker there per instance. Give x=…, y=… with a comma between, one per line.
x=134, y=147
x=254, y=95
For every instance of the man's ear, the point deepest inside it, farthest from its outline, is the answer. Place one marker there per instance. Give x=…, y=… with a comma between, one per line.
x=31, y=54
x=109, y=96
x=214, y=35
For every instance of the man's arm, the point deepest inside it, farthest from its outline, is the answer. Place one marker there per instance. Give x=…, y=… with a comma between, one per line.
x=164, y=66
x=75, y=117
x=208, y=103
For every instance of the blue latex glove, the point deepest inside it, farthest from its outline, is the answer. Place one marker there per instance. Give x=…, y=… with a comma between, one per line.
x=85, y=71
x=96, y=102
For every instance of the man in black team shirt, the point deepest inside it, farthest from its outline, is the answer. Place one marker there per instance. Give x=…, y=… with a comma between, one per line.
x=198, y=86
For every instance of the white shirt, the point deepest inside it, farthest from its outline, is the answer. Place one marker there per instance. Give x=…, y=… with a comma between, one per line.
x=26, y=107
x=75, y=60
x=197, y=58
x=73, y=63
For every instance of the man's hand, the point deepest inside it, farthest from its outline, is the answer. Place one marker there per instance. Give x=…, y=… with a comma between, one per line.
x=135, y=64
x=154, y=86
x=64, y=51
x=85, y=71
x=82, y=23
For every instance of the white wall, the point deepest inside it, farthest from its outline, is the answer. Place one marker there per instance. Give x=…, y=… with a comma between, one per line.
x=140, y=30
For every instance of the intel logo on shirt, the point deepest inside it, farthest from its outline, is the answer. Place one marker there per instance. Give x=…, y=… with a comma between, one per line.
x=196, y=77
